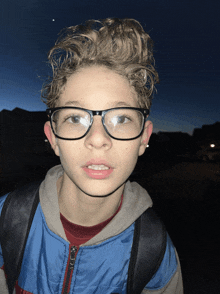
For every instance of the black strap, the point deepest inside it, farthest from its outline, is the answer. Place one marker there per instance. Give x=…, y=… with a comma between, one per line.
x=149, y=245
x=15, y=222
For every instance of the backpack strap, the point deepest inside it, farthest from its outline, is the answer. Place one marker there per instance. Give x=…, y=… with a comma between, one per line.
x=149, y=245
x=15, y=223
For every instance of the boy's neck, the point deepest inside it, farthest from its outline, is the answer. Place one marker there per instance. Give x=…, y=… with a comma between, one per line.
x=85, y=210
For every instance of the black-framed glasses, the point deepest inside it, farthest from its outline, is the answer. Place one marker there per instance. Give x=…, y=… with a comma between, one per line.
x=74, y=123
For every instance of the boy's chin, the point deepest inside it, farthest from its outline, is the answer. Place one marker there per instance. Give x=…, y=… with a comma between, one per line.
x=100, y=189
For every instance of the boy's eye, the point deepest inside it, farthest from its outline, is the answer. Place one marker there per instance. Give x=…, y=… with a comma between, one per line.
x=74, y=119
x=123, y=119
x=77, y=121
x=120, y=120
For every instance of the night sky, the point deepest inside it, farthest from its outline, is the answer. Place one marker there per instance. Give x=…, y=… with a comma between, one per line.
x=187, y=52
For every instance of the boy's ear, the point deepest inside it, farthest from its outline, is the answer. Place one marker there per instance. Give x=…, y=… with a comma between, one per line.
x=51, y=138
x=148, y=129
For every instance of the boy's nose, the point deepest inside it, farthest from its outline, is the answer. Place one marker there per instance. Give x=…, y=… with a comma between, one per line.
x=97, y=136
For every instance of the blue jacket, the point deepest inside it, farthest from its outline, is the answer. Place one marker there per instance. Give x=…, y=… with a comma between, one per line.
x=101, y=264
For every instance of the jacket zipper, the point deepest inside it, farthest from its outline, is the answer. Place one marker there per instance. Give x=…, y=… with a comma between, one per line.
x=73, y=251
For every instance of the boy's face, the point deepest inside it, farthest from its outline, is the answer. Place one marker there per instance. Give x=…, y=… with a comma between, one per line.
x=98, y=88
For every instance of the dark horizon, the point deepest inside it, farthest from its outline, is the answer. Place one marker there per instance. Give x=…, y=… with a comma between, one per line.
x=155, y=132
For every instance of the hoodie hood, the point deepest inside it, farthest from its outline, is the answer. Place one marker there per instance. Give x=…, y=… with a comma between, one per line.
x=135, y=201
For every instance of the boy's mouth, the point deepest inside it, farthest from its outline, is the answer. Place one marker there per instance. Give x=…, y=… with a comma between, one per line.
x=98, y=167
x=98, y=164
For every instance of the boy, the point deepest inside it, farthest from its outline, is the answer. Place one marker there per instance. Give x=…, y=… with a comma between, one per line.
x=81, y=236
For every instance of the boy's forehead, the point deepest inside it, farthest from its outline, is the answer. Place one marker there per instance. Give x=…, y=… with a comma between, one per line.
x=82, y=104
x=93, y=85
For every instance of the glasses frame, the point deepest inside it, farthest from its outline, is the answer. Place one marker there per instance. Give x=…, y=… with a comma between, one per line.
x=102, y=113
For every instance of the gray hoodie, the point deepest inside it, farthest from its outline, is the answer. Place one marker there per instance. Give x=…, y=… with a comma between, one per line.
x=135, y=201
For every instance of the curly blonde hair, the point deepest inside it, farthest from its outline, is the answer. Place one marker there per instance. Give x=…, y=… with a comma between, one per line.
x=121, y=45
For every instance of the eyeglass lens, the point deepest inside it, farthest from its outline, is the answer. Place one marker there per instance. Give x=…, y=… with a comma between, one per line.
x=120, y=123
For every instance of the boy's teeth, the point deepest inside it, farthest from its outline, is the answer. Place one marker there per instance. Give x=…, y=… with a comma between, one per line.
x=98, y=167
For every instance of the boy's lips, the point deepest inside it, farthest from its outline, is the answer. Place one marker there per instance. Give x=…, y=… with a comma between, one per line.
x=98, y=162
x=98, y=173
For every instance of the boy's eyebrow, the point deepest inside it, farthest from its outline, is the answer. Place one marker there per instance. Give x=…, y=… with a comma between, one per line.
x=72, y=103
x=122, y=103
x=119, y=103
